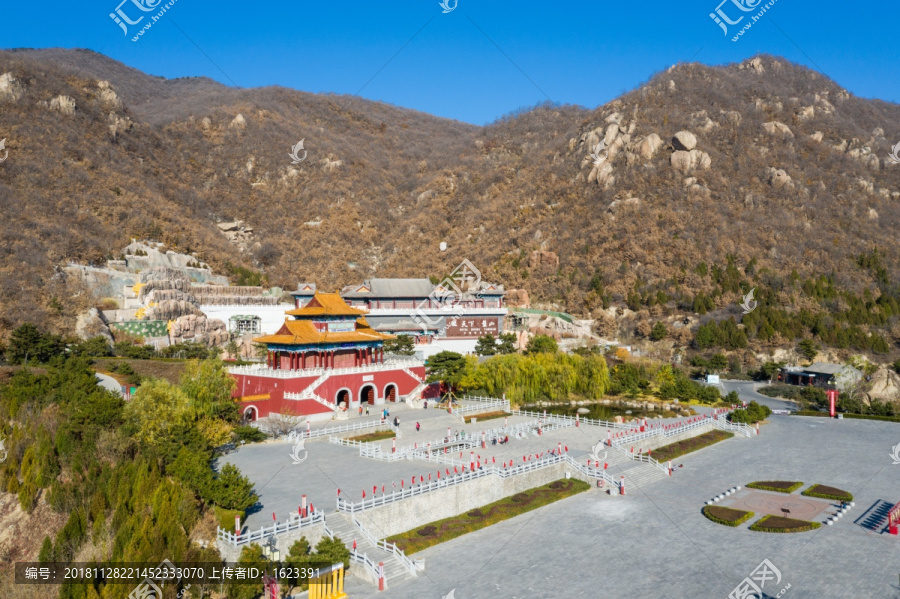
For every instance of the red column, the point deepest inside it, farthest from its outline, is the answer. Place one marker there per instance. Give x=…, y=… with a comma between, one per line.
x=303, y=360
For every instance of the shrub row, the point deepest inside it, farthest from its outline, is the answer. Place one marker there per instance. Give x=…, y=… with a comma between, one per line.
x=780, y=524
x=825, y=492
x=779, y=486
x=726, y=516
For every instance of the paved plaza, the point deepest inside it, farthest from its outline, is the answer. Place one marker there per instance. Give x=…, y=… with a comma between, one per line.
x=774, y=504
x=653, y=542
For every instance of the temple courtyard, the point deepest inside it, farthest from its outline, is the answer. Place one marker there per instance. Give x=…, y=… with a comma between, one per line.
x=653, y=541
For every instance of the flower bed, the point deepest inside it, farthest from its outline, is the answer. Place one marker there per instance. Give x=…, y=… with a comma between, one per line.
x=726, y=515
x=431, y=534
x=825, y=492
x=376, y=436
x=781, y=524
x=485, y=416
x=680, y=448
x=779, y=486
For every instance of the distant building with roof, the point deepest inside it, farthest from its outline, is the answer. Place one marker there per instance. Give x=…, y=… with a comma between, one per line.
x=438, y=317
x=820, y=374
x=325, y=358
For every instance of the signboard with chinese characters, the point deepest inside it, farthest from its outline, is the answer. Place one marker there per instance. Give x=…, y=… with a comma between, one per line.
x=341, y=326
x=472, y=326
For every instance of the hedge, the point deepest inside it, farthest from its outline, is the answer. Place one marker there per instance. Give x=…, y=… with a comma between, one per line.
x=781, y=524
x=825, y=492
x=779, y=486
x=738, y=517
x=872, y=417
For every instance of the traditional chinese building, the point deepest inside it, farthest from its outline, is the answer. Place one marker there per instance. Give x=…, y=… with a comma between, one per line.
x=325, y=358
x=436, y=316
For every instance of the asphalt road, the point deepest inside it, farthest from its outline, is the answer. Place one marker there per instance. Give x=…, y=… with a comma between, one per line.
x=747, y=392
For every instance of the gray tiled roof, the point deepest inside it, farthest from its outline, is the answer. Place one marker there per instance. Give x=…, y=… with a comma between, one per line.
x=391, y=288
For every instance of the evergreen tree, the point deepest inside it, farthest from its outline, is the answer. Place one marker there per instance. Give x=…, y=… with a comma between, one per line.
x=486, y=346
x=232, y=490
x=401, y=345
x=659, y=331
x=508, y=343
x=541, y=344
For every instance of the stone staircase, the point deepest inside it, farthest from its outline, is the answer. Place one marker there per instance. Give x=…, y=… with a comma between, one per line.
x=413, y=398
x=641, y=475
x=343, y=527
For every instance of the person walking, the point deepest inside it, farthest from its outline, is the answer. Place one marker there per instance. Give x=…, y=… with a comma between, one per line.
x=417, y=427
x=367, y=410
x=426, y=404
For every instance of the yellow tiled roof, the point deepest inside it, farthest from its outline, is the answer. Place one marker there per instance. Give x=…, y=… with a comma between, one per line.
x=303, y=332
x=326, y=304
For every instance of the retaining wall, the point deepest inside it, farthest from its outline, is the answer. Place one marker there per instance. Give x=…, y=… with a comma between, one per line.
x=407, y=514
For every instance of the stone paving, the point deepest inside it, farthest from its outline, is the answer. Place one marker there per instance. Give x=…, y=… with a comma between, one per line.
x=772, y=503
x=653, y=542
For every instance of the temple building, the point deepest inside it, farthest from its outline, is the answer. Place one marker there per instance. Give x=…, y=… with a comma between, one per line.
x=437, y=317
x=325, y=358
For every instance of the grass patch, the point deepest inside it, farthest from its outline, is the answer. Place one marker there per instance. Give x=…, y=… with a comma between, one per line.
x=225, y=518
x=812, y=413
x=680, y=448
x=167, y=369
x=437, y=532
x=825, y=492
x=872, y=417
x=779, y=486
x=485, y=416
x=376, y=436
x=781, y=524
x=726, y=515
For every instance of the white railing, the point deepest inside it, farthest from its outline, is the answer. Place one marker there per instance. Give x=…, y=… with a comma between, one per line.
x=592, y=472
x=263, y=370
x=488, y=403
x=738, y=427
x=567, y=418
x=365, y=533
x=364, y=561
x=643, y=457
x=294, y=523
x=409, y=564
x=343, y=428
x=467, y=475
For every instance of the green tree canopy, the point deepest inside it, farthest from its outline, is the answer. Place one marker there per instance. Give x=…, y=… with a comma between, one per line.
x=401, y=345
x=446, y=367
x=659, y=331
x=508, y=343
x=156, y=409
x=541, y=344
x=486, y=346
x=209, y=386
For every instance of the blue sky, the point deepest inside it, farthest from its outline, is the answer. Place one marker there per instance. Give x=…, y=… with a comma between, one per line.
x=479, y=61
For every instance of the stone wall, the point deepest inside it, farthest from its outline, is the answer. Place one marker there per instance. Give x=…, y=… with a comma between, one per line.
x=407, y=514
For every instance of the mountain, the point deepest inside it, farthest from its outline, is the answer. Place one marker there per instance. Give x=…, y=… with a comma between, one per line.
x=764, y=166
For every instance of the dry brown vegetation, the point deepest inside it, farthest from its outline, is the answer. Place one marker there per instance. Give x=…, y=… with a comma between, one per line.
x=72, y=191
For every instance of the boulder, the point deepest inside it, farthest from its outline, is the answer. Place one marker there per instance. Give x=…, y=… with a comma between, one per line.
x=684, y=140
x=754, y=64
x=517, y=298
x=10, y=88
x=90, y=324
x=239, y=122
x=118, y=124
x=686, y=162
x=205, y=123
x=616, y=204
x=885, y=385
x=63, y=104
x=807, y=112
x=733, y=116
x=817, y=136
x=778, y=178
x=602, y=174
x=778, y=128
x=543, y=259
x=108, y=96
x=649, y=145
x=198, y=328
